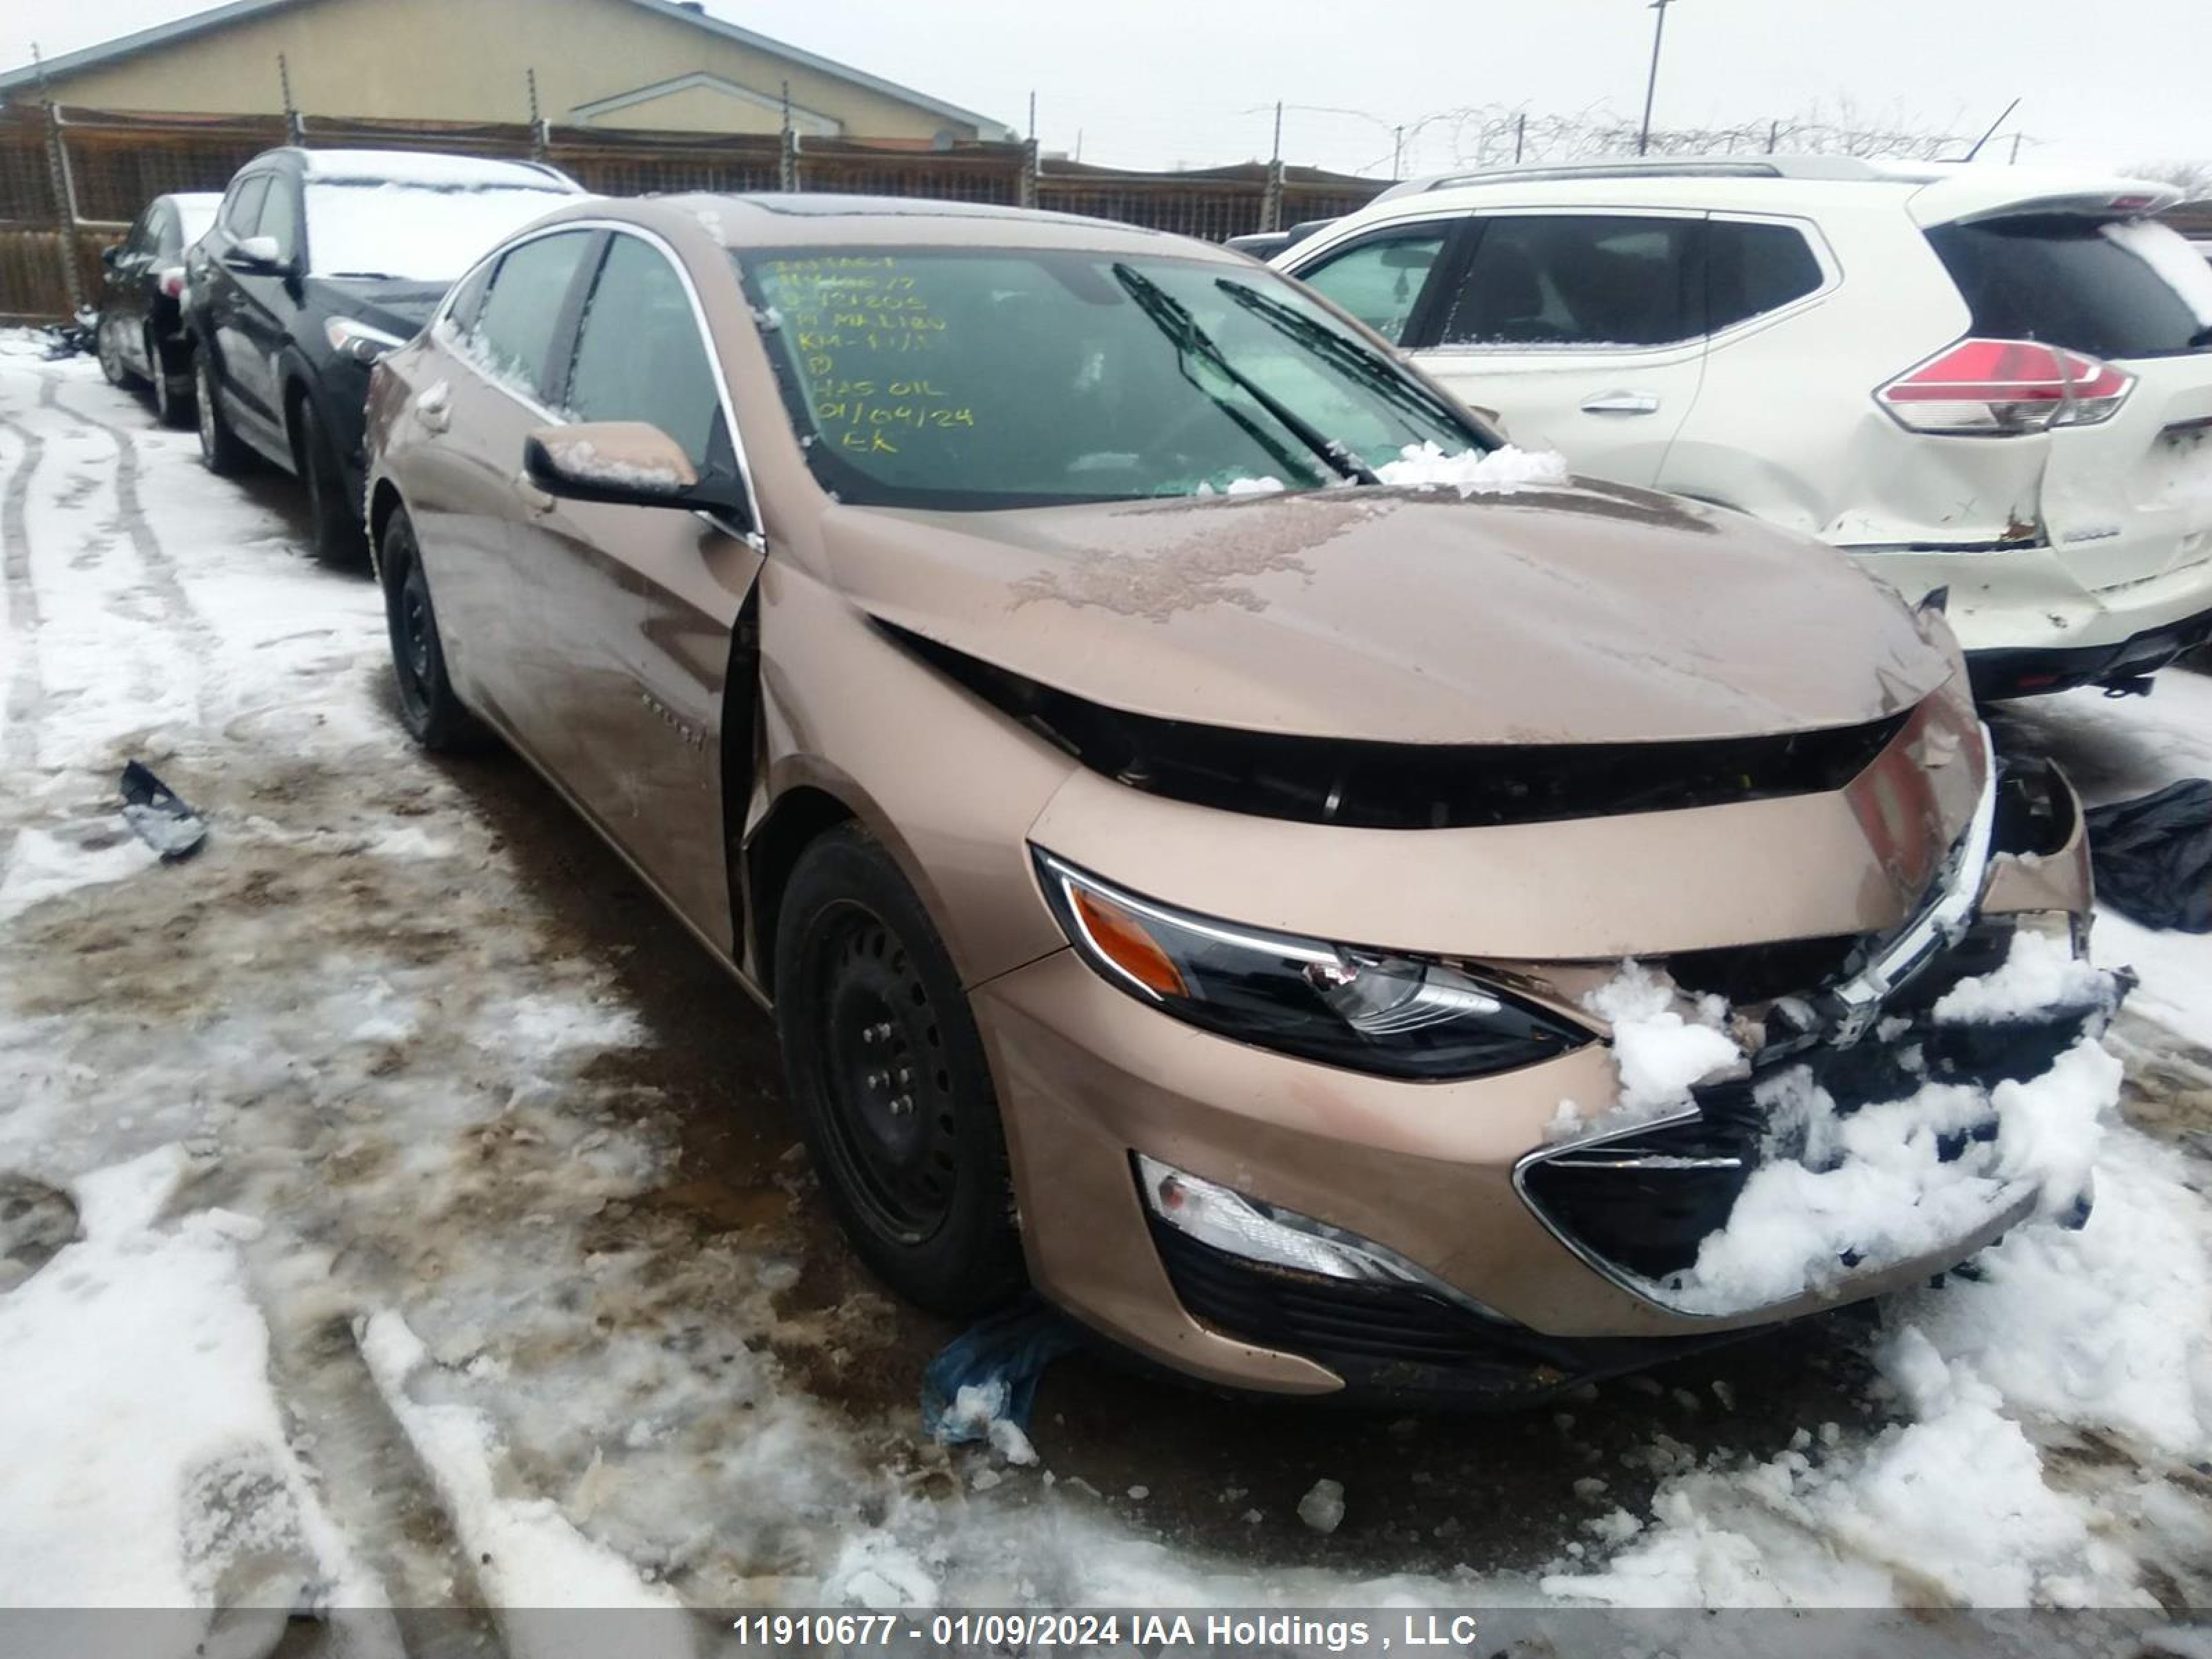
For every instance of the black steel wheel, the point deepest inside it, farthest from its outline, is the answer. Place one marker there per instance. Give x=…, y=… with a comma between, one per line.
x=428, y=705
x=888, y=1073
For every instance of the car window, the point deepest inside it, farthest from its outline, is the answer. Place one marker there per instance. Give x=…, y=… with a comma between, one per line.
x=163, y=238
x=2069, y=281
x=1588, y=281
x=638, y=354
x=144, y=237
x=969, y=379
x=516, y=330
x=1380, y=280
x=1750, y=269
x=241, y=213
x=460, y=317
x=280, y=218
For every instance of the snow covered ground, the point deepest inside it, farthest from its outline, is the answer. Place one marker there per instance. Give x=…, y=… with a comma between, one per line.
x=363, y=1243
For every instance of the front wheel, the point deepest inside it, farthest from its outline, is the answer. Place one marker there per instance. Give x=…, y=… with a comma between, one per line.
x=886, y=1070
x=338, y=536
x=430, y=708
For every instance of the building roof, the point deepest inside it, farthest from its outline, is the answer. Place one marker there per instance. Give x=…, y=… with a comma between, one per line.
x=239, y=11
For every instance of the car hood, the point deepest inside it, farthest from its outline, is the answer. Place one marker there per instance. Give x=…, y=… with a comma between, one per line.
x=397, y=306
x=1580, y=614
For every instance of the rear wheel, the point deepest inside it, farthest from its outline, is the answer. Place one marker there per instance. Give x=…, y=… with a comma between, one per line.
x=111, y=353
x=172, y=401
x=220, y=450
x=338, y=536
x=428, y=705
x=887, y=1071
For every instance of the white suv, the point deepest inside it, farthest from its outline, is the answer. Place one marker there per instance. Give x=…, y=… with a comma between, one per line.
x=1989, y=379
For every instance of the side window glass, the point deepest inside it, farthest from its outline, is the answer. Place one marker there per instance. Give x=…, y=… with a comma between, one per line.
x=639, y=355
x=243, y=211
x=521, y=313
x=279, y=217
x=1380, y=282
x=1750, y=269
x=167, y=239
x=461, y=315
x=1590, y=282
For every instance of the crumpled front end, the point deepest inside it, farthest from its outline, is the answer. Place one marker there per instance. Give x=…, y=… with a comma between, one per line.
x=1755, y=1130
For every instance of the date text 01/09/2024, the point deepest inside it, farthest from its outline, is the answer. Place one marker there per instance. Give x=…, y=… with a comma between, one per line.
x=1016, y=1630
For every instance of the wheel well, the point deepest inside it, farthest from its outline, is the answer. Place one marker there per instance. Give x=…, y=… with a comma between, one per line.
x=295, y=396
x=792, y=824
x=382, y=506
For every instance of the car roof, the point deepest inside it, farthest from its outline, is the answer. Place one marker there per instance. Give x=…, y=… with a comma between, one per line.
x=822, y=220
x=1932, y=192
x=431, y=168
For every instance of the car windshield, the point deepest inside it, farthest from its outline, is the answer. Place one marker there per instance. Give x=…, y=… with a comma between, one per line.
x=967, y=380
x=421, y=233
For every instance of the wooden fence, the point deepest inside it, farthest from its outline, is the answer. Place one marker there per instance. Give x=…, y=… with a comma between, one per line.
x=72, y=180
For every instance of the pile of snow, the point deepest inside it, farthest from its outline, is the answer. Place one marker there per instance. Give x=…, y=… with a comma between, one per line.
x=2040, y=973
x=579, y=457
x=1268, y=485
x=1665, y=1043
x=1475, y=471
x=149, y=1463
x=2167, y=252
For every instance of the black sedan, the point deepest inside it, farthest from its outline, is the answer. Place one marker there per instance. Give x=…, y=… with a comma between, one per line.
x=319, y=262
x=140, y=332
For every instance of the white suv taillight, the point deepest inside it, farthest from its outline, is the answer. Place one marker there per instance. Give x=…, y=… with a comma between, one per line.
x=173, y=281
x=2001, y=388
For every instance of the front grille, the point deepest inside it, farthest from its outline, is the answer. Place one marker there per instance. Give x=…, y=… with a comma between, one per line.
x=1643, y=1203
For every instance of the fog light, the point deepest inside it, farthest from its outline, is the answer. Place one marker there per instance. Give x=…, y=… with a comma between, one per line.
x=1230, y=1222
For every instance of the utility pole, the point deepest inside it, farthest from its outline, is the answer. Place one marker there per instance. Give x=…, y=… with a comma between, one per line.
x=1271, y=195
x=1651, y=86
x=1398, y=154
x=786, y=153
x=294, y=129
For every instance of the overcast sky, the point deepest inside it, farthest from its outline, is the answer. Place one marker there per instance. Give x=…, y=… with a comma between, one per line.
x=1159, y=82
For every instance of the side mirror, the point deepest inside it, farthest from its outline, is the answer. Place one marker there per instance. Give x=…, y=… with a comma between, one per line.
x=111, y=254
x=255, y=254
x=627, y=464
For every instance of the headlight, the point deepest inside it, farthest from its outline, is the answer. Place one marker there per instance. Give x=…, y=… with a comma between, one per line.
x=1367, y=1011
x=351, y=337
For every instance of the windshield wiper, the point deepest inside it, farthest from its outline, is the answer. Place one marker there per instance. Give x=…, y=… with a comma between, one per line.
x=1173, y=319
x=1379, y=373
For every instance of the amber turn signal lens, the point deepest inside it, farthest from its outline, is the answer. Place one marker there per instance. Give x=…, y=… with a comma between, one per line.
x=1121, y=938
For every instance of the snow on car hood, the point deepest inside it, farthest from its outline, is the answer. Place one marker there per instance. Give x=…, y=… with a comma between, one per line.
x=1574, y=613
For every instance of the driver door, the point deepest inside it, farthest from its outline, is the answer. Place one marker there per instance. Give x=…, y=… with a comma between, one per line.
x=640, y=603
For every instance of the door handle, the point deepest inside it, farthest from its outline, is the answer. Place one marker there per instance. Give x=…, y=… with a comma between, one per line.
x=1622, y=402
x=530, y=495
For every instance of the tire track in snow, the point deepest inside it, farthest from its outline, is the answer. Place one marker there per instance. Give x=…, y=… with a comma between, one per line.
x=187, y=624
x=26, y=694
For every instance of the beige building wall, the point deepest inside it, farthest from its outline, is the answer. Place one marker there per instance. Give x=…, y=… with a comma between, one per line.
x=467, y=60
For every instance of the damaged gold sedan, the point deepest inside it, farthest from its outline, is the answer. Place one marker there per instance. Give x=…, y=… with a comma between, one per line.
x=1330, y=900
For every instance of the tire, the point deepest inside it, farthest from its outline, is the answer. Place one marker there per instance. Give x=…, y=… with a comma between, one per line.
x=110, y=354
x=428, y=705
x=171, y=406
x=339, y=539
x=222, y=452
x=870, y=1014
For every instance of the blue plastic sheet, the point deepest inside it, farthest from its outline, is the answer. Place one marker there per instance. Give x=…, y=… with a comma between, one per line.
x=1002, y=1356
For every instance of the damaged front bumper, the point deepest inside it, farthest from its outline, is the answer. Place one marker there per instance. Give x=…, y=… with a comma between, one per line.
x=1513, y=1265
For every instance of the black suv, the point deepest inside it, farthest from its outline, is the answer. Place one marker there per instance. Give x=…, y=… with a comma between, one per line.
x=318, y=263
x=140, y=332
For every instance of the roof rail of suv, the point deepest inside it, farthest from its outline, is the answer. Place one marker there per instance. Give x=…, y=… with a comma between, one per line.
x=1833, y=168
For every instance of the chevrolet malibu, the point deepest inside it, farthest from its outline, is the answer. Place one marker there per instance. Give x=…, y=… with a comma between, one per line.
x=1332, y=901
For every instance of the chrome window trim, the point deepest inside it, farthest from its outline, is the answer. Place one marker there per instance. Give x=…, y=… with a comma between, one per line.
x=756, y=537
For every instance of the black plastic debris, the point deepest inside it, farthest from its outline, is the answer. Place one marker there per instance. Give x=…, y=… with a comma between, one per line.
x=164, y=823
x=2153, y=856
